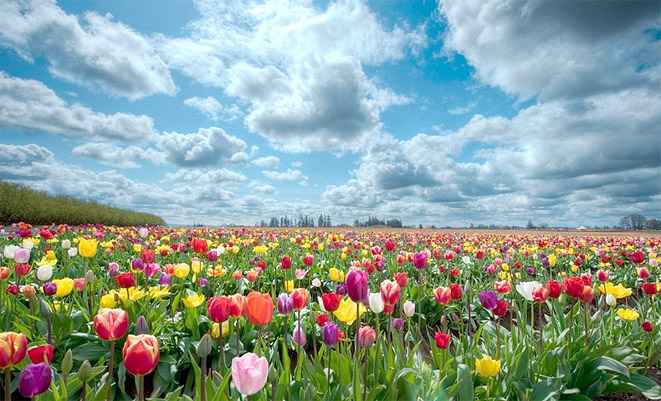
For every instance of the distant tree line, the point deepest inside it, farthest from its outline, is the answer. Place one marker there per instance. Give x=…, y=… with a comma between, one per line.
x=375, y=221
x=639, y=222
x=20, y=203
x=323, y=220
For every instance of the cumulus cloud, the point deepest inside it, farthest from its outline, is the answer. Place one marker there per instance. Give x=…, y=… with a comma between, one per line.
x=556, y=49
x=111, y=155
x=212, y=109
x=289, y=175
x=207, y=147
x=218, y=176
x=262, y=188
x=99, y=53
x=31, y=106
x=298, y=67
x=267, y=162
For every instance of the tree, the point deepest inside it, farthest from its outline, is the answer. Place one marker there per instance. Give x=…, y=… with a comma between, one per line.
x=625, y=223
x=530, y=226
x=654, y=224
x=633, y=222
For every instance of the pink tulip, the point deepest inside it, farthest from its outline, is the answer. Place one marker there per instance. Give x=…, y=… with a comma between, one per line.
x=249, y=373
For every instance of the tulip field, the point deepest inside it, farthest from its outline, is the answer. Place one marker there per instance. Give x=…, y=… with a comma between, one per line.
x=97, y=312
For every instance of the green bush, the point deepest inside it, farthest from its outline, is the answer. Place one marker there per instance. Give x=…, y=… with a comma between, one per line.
x=19, y=203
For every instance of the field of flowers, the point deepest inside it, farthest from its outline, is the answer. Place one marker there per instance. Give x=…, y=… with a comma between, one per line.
x=121, y=313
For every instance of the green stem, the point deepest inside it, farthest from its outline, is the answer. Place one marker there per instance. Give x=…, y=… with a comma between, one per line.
x=587, y=323
x=111, y=362
x=541, y=330
x=7, y=384
x=203, y=378
x=141, y=388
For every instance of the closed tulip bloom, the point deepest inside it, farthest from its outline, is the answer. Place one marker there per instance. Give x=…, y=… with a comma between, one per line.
x=356, y=283
x=13, y=347
x=285, y=305
x=409, y=308
x=401, y=279
x=237, y=305
x=165, y=280
x=602, y=275
x=285, y=263
x=390, y=293
x=64, y=287
x=540, y=293
x=647, y=326
x=637, y=257
x=587, y=295
x=525, y=289
x=299, y=298
x=45, y=273
x=148, y=256
x=111, y=324
x=487, y=367
x=141, y=354
x=125, y=280
x=501, y=308
x=4, y=272
x=442, y=340
x=330, y=301
x=49, y=289
x=87, y=247
x=34, y=379
x=41, y=353
x=573, y=286
x=555, y=289
x=219, y=308
x=330, y=334
x=21, y=255
x=420, y=260
x=398, y=324
x=643, y=273
x=503, y=287
x=299, y=337
x=488, y=299
x=200, y=245
x=442, y=295
x=455, y=291
x=611, y=300
x=181, y=270
x=21, y=269
x=366, y=336
x=376, y=303
x=259, y=308
x=249, y=373
x=649, y=288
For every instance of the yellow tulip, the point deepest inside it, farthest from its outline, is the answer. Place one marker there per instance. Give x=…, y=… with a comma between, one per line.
x=159, y=292
x=627, y=314
x=346, y=311
x=196, y=265
x=108, y=301
x=181, y=270
x=193, y=300
x=487, y=367
x=137, y=248
x=216, y=329
x=134, y=294
x=64, y=287
x=87, y=247
x=45, y=260
x=618, y=291
x=289, y=285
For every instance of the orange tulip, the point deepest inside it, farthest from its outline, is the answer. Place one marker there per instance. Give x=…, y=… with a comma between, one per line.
x=442, y=295
x=259, y=308
x=141, y=354
x=237, y=305
x=13, y=347
x=300, y=297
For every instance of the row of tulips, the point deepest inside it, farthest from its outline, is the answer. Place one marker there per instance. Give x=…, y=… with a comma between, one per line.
x=215, y=314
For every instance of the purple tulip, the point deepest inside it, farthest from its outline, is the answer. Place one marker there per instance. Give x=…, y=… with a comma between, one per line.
x=342, y=290
x=398, y=324
x=330, y=334
x=212, y=256
x=545, y=262
x=285, y=304
x=35, y=379
x=113, y=269
x=420, y=260
x=356, y=282
x=50, y=289
x=488, y=299
x=530, y=271
x=202, y=282
x=137, y=264
x=165, y=280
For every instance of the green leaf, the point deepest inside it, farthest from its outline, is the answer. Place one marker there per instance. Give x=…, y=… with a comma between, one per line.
x=90, y=351
x=607, y=363
x=546, y=389
x=465, y=388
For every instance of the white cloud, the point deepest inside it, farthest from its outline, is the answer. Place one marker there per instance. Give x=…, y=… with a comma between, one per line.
x=212, y=109
x=32, y=106
x=101, y=53
x=207, y=147
x=267, y=162
x=112, y=155
x=262, y=188
x=217, y=177
x=556, y=49
x=289, y=175
x=462, y=110
x=299, y=68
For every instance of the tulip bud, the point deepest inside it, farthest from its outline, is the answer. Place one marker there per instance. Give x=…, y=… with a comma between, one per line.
x=29, y=291
x=44, y=309
x=205, y=346
x=85, y=371
x=141, y=326
x=90, y=277
x=66, y=244
x=67, y=362
x=610, y=300
x=409, y=308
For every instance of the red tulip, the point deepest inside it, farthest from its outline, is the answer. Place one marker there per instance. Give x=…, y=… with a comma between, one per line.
x=442, y=340
x=503, y=287
x=41, y=353
x=637, y=257
x=21, y=269
x=308, y=260
x=643, y=273
x=13, y=347
x=237, y=305
x=300, y=298
x=322, y=319
x=555, y=289
x=200, y=245
x=540, y=293
x=111, y=324
x=125, y=280
x=574, y=286
x=285, y=263
x=219, y=308
x=141, y=354
x=366, y=336
x=401, y=278
x=602, y=275
x=259, y=308
x=455, y=291
x=649, y=288
x=647, y=326
x=587, y=295
x=501, y=308
x=331, y=301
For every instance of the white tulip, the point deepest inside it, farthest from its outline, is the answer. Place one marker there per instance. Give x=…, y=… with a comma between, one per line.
x=28, y=245
x=525, y=289
x=376, y=302
x=610, y=300
x=72, y=252
x=66, y=244
x=9, y=251
x=45, y=272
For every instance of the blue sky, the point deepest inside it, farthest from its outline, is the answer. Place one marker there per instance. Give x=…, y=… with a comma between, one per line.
x=446, y=113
